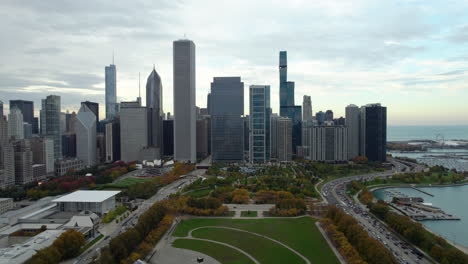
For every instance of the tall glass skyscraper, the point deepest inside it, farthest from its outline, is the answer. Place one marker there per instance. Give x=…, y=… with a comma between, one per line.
x=374, y=132
x=50, y=122
x=27, y=109
x=286, y=87
x=111, y=91
x=259, y=123
x=227, y=124
x=154, y=104
x=184, y=101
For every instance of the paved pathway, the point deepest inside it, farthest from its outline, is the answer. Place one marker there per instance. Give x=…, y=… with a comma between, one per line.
x=252, y=233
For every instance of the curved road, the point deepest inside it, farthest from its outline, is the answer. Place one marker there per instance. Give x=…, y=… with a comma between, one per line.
x=334, y=192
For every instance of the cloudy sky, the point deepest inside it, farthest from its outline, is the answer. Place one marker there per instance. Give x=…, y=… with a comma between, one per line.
x=411, y=56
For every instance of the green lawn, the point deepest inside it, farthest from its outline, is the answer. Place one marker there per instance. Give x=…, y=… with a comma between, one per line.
x=262, y=249
x=223, y=254
x=300, y=234
x=249, y=213
x=123, y=184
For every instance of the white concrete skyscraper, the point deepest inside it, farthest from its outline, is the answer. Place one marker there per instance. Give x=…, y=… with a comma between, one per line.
x=85, y=129
x=184, y=101
x=154, y=103
x=352, y=122
x=111, y=90
x=306, y=108
x=15, y=124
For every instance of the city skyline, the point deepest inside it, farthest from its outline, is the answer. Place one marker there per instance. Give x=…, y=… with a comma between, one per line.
x=406, y=61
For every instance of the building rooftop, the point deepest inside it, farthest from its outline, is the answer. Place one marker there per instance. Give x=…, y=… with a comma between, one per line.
x=87, y=196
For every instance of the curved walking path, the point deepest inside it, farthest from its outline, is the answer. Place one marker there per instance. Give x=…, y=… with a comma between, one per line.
x=224, y=244
x=252, y=233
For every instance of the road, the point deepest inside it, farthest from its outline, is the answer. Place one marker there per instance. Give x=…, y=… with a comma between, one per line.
x=131, y=220
x=334, y=192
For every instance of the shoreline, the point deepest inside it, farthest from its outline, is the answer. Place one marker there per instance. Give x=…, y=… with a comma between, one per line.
x=463, y=248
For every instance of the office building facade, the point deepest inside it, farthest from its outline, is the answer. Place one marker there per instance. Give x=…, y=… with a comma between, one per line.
x=227, y=124
x=133, y=130
x=353, y=123
x=85, y=129
x=50, y=122
x=184, y=101
x=93, y=107
x=43, y=153
x=111, y=91
x=306, y=108
x=168, y=138
x=154, y=103
x=23, y=162
x=15, y=124
x=284, y=127
x=113, y=140
x=374, y=132
x=259, y=124
x=27, y=109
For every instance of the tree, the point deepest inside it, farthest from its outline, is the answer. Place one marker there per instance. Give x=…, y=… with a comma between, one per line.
x=69, y=243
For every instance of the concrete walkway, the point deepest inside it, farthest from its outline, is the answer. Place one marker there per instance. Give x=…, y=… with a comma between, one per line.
x=252, y=233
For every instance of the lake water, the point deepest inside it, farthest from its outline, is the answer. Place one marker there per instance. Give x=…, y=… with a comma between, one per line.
x=403, y=133
x=452, y=200
x=457, y=159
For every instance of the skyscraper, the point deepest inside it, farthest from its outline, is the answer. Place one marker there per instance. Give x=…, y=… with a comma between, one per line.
x=374, y=132
x=352, y=122
x=320, y=117
x=15, y=124
x=284, y=139
x=329, y=115
x=227, y=109
x=259, y=134
x=94, y=107
x=1, y=108
x=133, y=130
x=111, y=91
x=27, y=109
x=154, y=102
x=327, y=143
x=7, y=156
x=43, y=153
x=23, y=162
x=306, y=108
x=113, y=140
x=168, y=137
x=286, y=87
x=202, y=137
x=85, y=128
x=184, y=101
x=50, y=122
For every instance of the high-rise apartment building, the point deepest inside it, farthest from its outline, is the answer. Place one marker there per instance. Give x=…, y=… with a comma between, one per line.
x=85, y=129
x=43, y=153
x=352, y=122
x=184, y=101
x=154, y=103
x=111, y=91
x=306, y=108
x=23, y=162
x=50, y=122
x=284, y=145
x=113, y=140
x=227, y=125
x=15, y=124
x=133, y=130
x=259, y=134
x=7, y=156
x=327, y=143
x=373, y=132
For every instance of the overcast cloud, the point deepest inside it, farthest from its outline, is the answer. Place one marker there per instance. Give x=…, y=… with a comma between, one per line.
x=408, y=55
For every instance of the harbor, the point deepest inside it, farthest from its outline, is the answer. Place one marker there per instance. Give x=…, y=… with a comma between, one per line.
x=415, y=207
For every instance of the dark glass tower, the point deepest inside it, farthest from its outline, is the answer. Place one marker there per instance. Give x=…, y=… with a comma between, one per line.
x=286, y=87
x=374, y=132
x=227, y=123
x=155, y=111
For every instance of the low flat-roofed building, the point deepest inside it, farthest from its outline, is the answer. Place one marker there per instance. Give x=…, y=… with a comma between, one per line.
x=20, y=253
x=5, y=204
x=99, y=202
